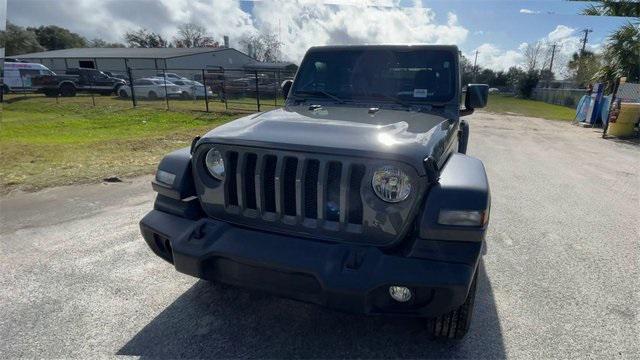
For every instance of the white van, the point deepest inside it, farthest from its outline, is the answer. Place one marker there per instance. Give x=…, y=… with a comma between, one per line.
x=17, y=75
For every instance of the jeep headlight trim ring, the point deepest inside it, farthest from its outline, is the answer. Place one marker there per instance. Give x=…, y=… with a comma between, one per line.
x=391, y=184
x=215, y=164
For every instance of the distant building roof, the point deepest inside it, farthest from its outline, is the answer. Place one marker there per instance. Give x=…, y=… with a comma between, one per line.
x=132, y=53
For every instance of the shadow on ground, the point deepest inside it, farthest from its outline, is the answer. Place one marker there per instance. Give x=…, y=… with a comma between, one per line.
x=211, y=320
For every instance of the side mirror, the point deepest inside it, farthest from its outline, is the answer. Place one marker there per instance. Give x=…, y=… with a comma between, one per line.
x=475, y=98
x=286, y=86
x=477, y=95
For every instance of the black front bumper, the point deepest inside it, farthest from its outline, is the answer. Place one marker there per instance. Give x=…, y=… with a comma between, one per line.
x=338, y=276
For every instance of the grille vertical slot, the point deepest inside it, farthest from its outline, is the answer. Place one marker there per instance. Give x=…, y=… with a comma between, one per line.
x=311, y=189
x=355, y=200
x=269, y=183
x=332, y=191
x=231, y=184
x=250, y=181
x=289, y=183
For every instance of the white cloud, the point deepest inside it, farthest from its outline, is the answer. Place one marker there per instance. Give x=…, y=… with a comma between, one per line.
x=561, y=32
x=306, y=23
x=300, y=24
x=529, y=11
x=492, y=57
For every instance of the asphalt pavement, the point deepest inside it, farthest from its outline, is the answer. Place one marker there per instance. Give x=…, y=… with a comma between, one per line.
x=560, y=278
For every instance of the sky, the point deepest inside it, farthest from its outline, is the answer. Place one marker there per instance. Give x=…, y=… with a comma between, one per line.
x=497, y=29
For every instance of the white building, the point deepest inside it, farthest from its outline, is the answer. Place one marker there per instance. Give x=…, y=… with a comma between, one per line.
x=145, y=61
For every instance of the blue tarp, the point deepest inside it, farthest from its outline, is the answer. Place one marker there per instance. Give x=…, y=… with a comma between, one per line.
x=583, y=108
x=604, y=110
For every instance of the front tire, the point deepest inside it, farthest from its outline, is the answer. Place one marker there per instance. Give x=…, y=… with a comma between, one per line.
x=123, y=93
x=67, y=90
x=152, y=95
x=455, y=324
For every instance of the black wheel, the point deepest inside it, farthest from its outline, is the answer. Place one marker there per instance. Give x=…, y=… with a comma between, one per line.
x=152, y=95
x=123, y=93
x=67, y=89
x=5, y=89
x=185, y=95
x=455, y=324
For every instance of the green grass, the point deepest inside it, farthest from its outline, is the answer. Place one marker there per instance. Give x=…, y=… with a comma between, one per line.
x=503, y=104
x=45, y=143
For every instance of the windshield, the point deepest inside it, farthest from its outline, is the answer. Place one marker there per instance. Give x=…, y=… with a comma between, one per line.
x=419, y=75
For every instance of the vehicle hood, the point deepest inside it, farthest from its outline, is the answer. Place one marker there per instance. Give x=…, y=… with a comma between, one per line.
x=401, y=135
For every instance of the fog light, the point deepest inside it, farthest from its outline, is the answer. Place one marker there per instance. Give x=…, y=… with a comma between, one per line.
x=400, y=293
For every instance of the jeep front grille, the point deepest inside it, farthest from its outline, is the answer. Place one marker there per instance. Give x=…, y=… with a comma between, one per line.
x=295, y=189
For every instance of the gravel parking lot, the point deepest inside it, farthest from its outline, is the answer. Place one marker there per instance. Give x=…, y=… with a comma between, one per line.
x=560, y=278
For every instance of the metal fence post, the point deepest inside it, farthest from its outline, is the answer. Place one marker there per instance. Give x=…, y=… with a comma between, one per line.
x=257, y=91
x=206, y=96
x=133, y=93
x=275, y=88
x=224, y=91
x=166, y=94
x=93, y=98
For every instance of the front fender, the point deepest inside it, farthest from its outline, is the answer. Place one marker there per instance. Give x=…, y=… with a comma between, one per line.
x=463, y=185
x=174, y=177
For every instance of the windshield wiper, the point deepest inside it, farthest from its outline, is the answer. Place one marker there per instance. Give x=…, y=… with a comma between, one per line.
x=320, y=92
x=394, y=99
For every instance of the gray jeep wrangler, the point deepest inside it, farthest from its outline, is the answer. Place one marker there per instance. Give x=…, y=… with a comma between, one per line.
x=356, y=195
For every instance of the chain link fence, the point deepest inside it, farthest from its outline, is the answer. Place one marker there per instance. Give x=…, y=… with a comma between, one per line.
x=208, y=90
x=563, y=97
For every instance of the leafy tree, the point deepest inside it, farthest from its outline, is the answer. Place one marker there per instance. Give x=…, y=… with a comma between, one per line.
x=191, y=35
x=264, y=46
x=621, y=56
x=17, y=40
x=467, y=70
x=627, y=8
x=501, y=79
x=144, y=38
x=527, y=83
x=54, y=37
x=100, y=43
x=583, y=68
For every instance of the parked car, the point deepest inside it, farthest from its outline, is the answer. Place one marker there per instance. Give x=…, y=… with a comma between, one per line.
x=192, y=89
x=150, y=88
x=18, y=76
x=357, y=195
x=77, y=80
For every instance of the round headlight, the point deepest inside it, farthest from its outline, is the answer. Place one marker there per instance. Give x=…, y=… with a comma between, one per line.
x=215, y=164
x=391, y=184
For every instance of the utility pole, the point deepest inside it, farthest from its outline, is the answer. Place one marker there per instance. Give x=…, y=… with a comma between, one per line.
x=584, y=41
x=475, y=68
x=553, y=53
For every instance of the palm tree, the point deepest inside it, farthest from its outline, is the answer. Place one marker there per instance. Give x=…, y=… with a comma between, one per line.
x=621, y=55
x=624, y=8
